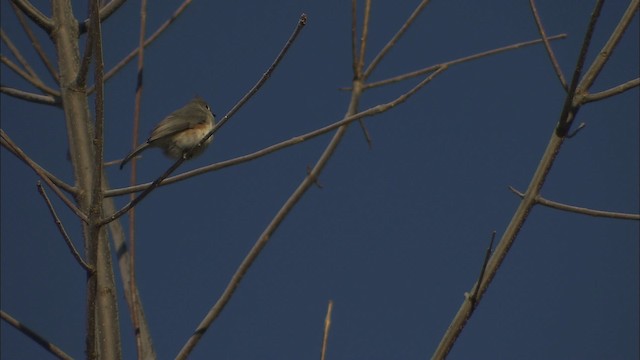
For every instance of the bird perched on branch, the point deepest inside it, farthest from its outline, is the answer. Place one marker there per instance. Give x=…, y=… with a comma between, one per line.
x=180, y=131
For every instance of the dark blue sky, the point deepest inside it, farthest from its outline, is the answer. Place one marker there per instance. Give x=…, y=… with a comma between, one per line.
x=396, y=234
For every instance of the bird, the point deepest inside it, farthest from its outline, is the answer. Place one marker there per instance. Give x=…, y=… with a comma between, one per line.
x=179, y=132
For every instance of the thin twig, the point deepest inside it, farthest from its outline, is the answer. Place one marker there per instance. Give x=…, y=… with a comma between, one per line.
x=46, y=344
x=325, y=333
x=133, y=178
x=36, y=44
x=569, y=110
x=354, y=35
x=105, y=12
x=28, y=96
x=374, y=63
x=30, y=79
x=132, y=55
x=63, y=232
x=608, y=48
x=18, y=55
x=547, y=45
x=34, y=14
x=579, y=210
x=616, y=90
x=432, y=68
x=474, y=294
x=360, y=65
x=54, y=183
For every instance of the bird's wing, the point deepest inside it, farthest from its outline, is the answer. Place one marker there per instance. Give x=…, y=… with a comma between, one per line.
x=182, y=119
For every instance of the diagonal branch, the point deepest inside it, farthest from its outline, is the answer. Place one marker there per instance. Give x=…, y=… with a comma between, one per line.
x=547, y=45
x=569, y=110
x=54, y=183
x=18, y=55
x=46, y=344
x=325, y=333
x=105, y=12
x=580, y=210
x=429, y=69
x=28, y=96
x=34, y=14
x=28, y=77
x=109, y=74
x=36, y=43
x=616, y=90
x=374, y=63
x=608, y=48
x=63, y=232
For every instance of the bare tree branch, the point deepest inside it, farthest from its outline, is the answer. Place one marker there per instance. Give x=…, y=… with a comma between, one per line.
x=54, y=183
x=580, y=210
x=25, y=75
x=18, y=55
x=36, y=43
x=569, y=110
x=611, y=92
x=34, y=14
x=25, y=95
x=46, y=344
x=608, y=48
x=105, y=12
x=374, y=63
x=63, y=232
x=151, y=39
x=547, y=45
x=325, y=333
x=429, y=69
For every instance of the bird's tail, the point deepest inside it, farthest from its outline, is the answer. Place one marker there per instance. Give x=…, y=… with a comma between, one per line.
x=135, y=152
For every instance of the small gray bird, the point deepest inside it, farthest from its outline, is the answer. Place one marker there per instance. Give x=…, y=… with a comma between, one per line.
x=180, y=131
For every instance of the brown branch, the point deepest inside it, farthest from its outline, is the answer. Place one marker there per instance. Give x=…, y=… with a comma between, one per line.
x=105, y=12
x=54, y=183
x=360, y=63
x=616, y=90
x=374, y=63
x=569, y=109
x=46, y=344
x=608, y=48
x=432, y=68
x=547, y=45
x=18, y=55
x=325, y=333
x=28, y=96
x=30, y=79
x=474, y=293
x=63, y=232
x=143, y=348
x=36, y=43
x=34, y=14
x=354, y=35
x=151, y=39
x=579, y=210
